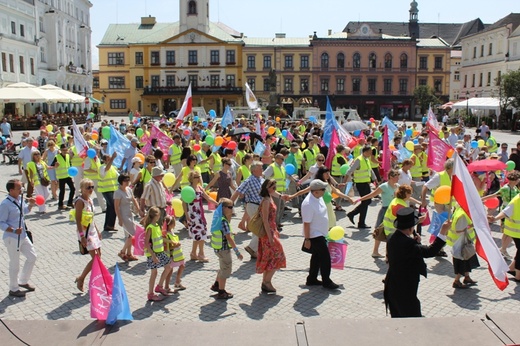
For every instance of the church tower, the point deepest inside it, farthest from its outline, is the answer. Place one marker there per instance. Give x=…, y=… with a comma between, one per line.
x=194, y=14
x=413, y=24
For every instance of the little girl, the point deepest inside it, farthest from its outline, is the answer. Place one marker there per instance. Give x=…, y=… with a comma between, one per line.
x=173, y=245
x=155, y=255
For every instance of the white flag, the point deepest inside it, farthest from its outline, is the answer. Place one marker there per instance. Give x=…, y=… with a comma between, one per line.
x=251, y=98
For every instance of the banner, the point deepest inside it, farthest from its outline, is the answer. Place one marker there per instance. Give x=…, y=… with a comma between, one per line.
x=163, y=141
x=79, y=142
x=138, y=240
x=251, y=98
x=100, y=290
x=338, y=254
x=437, y=152
x=118, y=143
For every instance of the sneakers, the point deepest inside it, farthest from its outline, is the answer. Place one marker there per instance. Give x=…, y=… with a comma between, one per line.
x=161, y=290
x=250, y=251
x=458, y=284
x=314, y=282
x=363, y=226
x=18, y=294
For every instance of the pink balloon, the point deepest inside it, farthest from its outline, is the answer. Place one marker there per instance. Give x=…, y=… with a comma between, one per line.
x=40, y=200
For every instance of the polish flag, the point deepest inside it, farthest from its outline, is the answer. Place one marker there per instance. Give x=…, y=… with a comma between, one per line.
x=186, y=107
x=466, y=194
x=79, y=142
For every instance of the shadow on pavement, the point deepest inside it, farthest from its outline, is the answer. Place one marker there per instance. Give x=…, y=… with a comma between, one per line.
x=66, y=309
x=214, y=311
x=151, y=307
x=260, y=305
x=8, y=301
x=307, y=302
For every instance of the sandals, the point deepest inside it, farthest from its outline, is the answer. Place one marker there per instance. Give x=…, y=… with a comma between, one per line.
x=202, y=259
x=154, y=297
x=131, y=258
x=179, y=287
x=224, y=295
x=339, y=208
x=159, y=289
x=123, y=256
x=193, y=258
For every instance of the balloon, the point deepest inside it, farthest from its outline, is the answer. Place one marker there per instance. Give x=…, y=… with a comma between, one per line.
x=369, y=123
x=73, y=171
x=205, y=123
x=212, y=113
x=492, y=203
x=209, y=140
x=169, y=179
x=409, y=145
x=106, y=132
x=139, y=132
x=40, y=200
x=140, y=157
x=350, y=157
x=304, y=145
x=91, y=153
x=187, y=194
x=232, y=145
x=94, y=136
x=327, y=197
x=336, y=233
x=196, y=147
x=442, y=195
x=196, y=118
x=481, y=143
x=170, y=120
x=213, y=194
x=290, y=169
x=416, y=141
x=49, y=128
x=474, y=144
x=186, y=132
x=357, y=133
x=372, y=120
x=312, y=118
x=271, y=130
x=353, y=142
x=334, y=196
x=218, y=141
x=344, y=169
x=416, y=133
x=377, y=134
x=277, y=118
x=450, y=152
x=133, y=241
x=284, y=133
x=177, y=207
x=409, y=132
x=35, y=144
x=510, y=165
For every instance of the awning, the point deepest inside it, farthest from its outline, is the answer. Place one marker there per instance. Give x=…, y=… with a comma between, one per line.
x=93, y=100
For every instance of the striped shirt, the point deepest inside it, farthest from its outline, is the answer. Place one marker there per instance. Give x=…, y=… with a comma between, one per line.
x=154, y=195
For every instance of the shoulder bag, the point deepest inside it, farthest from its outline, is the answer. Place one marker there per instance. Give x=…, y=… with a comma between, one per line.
x=256, y=224
x=139, y=187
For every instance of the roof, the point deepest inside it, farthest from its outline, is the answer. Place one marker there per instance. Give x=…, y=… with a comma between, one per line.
x=512, y=18
x=272, y=41
x=432, y=43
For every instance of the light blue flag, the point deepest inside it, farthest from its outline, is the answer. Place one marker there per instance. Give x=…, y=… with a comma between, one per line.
x=119, y=144
x=391, y=127
x=120, y=307
x=405, y=154
x=216, y=223
x=330, y=124
x=227, y=118
x=259, y=148
x=436, y=222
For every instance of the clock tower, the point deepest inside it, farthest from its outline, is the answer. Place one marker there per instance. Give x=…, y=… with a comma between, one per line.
x=194, y=14
x=413, y=24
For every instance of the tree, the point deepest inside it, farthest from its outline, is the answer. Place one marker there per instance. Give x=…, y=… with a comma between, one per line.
x=424, y=96
x=509, y=93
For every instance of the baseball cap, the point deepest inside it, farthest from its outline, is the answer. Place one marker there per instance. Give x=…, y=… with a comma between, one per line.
x=317, y=184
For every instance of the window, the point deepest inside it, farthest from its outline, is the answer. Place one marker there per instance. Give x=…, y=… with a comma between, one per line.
x=473, y=81
x=170, y=80
x=192, y=7
x=139, y=82
x=156, y=81
x=155, y=58
x=118, y=104
x=116, y=58
x=404, y=61
x=4, y=62
x=42, y=54
x=13, y=28
x=324, y=60
x=423, y=63
x=388, y=60
x=192, y=78
x=324, y=84
x=252, y=83
x=340, y=61
x=490, y=51
x=42, y=28
x=372, y=61
x=251, y=62
x=95, y=82
x=138, y=58
x=403, y=85
x=31, y=62
x=489, y=79
x=304, y=62
x=356, y=60
x=267, y=62
x=340, y=85
x=230, y=80
x=214, y=80
x=372, y=85
x=214, y=57
x=22, y=67
x=387, y=85
x=288, y=85
x=438, y=63
x=267, y=84
x=456, y=76
x=170, y=57
x=499, y=78
x=474, y=52
x=437, y=85
x=304, y=85
x=192, y=57
x=22, y=30
x=481, y=79
x=11, y=63
x=289, y=61
x=481, y=51
x=116, y=82
x=230, y=57
x=356, y=85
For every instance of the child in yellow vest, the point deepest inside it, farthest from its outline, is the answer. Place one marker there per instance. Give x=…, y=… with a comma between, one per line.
x=174, y=249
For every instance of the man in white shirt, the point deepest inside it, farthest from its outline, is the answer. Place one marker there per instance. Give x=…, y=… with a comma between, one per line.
x=315, y=228
x=24, y=157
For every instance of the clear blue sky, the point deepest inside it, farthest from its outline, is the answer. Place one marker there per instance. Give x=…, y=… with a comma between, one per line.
x=297, y=18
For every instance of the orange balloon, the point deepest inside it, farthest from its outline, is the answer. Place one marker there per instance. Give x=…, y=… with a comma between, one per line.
x=442, y=195
x=277, y=118
x=213, y=194
x=140, y=157
x=271, y=130
x=218, y=141
x=94, y=136
x=334, y=195
x=450, y=153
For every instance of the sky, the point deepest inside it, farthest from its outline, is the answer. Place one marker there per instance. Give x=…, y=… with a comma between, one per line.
x=296, y=18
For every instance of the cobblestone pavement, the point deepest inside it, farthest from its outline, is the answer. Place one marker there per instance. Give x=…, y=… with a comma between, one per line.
x=360, y=296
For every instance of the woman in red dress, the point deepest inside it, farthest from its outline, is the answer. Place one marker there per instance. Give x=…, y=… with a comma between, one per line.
x=270, y=251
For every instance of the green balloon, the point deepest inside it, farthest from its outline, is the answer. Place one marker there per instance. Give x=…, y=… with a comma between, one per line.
x=106, y=132
x=188, y=194
x=139, y=132
x=327, y=197
x=344, y=169
x=510, y=165
x=209, y=140
x=377, y=134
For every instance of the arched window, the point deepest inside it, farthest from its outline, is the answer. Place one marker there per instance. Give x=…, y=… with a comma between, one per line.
x=192, y=7
x=324, y=60
x=372, y=61
x=388, y=60
x=356, y=60
x=44, y=81
x=341, y=60
x=404, y=61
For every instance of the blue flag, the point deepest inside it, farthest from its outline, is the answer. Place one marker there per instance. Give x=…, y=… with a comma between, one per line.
x=437, y=221
x=216, y=223
x=330, y=124
x=391, y=127
x=259, y=148
x=119, y=144
x=119, y=308
x=227, y=118
x=405, y=154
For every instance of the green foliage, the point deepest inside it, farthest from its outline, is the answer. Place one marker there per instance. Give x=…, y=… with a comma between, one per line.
x=424, y=96
x=510, y=89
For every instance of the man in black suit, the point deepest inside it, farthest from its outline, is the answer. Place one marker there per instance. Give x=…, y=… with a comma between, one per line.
x=405, y=264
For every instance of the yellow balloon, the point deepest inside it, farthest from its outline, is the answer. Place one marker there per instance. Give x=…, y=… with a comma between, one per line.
x=49, y=128
x=304, y=145
x=481, y=143
x=169, y=179
x=177, y=207
x=441, y=135
x=336, y=233
x=409, y=145
x=442, y=195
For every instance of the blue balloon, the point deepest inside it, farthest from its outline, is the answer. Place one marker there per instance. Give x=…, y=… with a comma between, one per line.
x=474, y=144
x=212, y=113
x=73, y=171
x=284, y=133
x=215, y=149
x=196, y=118
x=205, y=123
x=409, y=132
x=91, y=153
x=415, y=141
x=312, y=118
x=357, y=133
x=290, y=169
x=350, y=157
x=369, y=123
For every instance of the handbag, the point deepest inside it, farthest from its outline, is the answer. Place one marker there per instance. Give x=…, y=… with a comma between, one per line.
x=139, y=187
x=468, y=248
x=304, y=249
x=379, y=233
x=44, y=181
x=256, y=224
x=82, y=249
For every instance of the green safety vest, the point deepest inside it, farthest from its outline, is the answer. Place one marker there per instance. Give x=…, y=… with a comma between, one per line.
x=175, y=158
x=389, y=218
x=310, y=158
x=217, y=162
x=357, y=150
x=175, y=253
x=453, y=235
x=364, y=172
x=245, y=172
x=156, y=239
x=376, y=156
x=492, y=145
x=240, y=156
x=33, y=171
x=76, y=160
x=336, y=166
x=512, y=224
x=109, y=182
x=279, y=177
x=217, y=237
x=204, y=167
x=62, y=171
x=445, y=180
x=416, y=169
x=94, y=165
x=299, y=158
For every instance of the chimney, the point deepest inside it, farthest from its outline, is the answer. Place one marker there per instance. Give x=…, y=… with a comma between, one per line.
x=330, y=32
x=279, y=35
x=148, y=20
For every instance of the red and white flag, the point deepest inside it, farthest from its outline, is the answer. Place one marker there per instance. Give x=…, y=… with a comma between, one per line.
x=466, y=194
x=186, y=107
x=79, y=142
x=432, y=122
x=251, y=98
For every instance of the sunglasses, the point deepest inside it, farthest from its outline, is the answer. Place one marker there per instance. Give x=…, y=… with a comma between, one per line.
x=272, y=185
x=90, y=187
x=151, y=162
x=321, y=160
x=228, y=206
x=197, y=177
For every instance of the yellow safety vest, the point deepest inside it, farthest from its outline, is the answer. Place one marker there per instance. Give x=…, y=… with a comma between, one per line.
x=108, y=183
x=336, y=166
x=299, y=158
x=376, y=156
x=33, y=171
x=185, y=172
x=86, y=217
x=512, y=224
x=245, y=172
x=424, y=163
x=175, y=158
x=156, y=238
x=416, y=169
x=279, y=177
x=240, y=156
x=310, y=158
x=388, y=220
x=363, y=173
x=445, y=180
x=76, y=160
x=492, y=145
x=204, y=167
x=217, y=237
x=62, y=171
x=175, y=253
x=94, y=165
x=146, y=175
x=217, y=162
x=357, y=150
x=453, y=235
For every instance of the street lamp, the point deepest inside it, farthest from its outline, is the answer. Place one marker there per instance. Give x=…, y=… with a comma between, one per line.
x=467, y=104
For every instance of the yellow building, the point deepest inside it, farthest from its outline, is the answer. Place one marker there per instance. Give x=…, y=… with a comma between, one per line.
x=434, y=66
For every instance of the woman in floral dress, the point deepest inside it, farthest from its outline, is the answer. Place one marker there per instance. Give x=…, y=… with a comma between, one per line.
x=270, y=251
x=197, y=225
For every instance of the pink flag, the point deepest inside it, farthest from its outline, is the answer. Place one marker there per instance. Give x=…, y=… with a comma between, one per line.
x=290, y=136
x=334, y=141
x=338, y=254
x=163, y=141
x=432, y=122
x=386, y=153
x=100, y=290
x=138, y=241
x=186, y=106
x=466, y=194
x=437, y=152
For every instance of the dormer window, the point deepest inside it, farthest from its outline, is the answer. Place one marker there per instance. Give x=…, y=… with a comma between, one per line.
x=192, y=7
